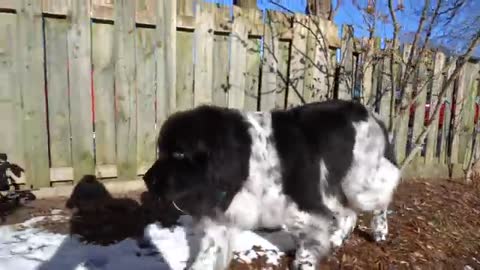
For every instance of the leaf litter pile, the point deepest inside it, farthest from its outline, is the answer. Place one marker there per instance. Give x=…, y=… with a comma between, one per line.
x=432, y=225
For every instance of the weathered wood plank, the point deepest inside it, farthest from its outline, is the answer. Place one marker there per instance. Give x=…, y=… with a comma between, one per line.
x=145, y=11
x=377, y=65
x=145, y=65
x=204, y=21
x=253, y=60
x=432, y=139
x=104, y=93
x=467, y=125
x=186, y=7
x=31, y=81
x=253, y=74
x=299, y=61
x=401, y=138
x=184, y=75
x=125, y=88
x=471, y=154
x=58, y=96
x=316, y=78
x=10, y=97
x=367, y=71
x=269, y=63
x=345, y=88
x=386, y=93
x=238, y=70
x=368, y=93
x=421, y=91
x=220, y=70
x=79, y=48
x=8, y=4
x=457, y=104
x=56, y=7
x=166, y=44
x=445, y=140
x=282, y=74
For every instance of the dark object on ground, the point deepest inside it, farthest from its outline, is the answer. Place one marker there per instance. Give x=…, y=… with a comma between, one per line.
x=87, y=193
x=14, y=197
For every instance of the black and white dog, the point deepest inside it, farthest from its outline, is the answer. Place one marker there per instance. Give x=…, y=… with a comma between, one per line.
x=309, y=170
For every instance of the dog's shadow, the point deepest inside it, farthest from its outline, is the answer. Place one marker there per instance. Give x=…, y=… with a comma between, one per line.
x=98, y=222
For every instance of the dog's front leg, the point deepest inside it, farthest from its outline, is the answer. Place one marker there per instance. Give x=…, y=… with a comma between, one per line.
x=213, y=250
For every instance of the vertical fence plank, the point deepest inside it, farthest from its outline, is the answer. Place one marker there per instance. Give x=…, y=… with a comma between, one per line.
x=220, y=70
x=145, y=65
x=10, y=97
x=468, y=127
x=166, y=51
x=253, y=61
x=282, y=75
x=324, y=69
x=298, y=61
x=309, y=85
x=269, y=63
x=386, y=91
x=421, y=90
x=238, y=68
x=57, y=7
x=204, y=24
x=58, y=96
x=31, y=81
x=367, y=70
x=79, y=48
x=103, y=84
x=125, y=88
x=401, y=138
x=445, y=139
x=432, y=139
x=184, y=95
x=459, y=93
x=253, y=74
x=346, y=79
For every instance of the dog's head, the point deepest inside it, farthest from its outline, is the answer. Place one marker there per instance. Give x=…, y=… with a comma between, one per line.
x=202, y=160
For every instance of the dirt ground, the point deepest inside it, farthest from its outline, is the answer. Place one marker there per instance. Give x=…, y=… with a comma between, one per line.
x=433, y=225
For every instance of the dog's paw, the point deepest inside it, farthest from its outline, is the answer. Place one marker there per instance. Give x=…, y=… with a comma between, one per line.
x=337, y=239
x=303, y=265
x=379, y=236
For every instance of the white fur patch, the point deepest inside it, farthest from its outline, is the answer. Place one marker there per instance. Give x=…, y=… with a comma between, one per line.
x=372, y=179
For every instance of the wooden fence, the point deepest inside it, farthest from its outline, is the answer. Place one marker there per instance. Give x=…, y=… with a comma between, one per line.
x=85, y=85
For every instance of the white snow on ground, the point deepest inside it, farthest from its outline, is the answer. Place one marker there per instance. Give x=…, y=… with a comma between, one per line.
x=24, y=247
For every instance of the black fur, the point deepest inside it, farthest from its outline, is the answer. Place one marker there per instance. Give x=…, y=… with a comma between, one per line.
x=203, y=159
x=307, y=134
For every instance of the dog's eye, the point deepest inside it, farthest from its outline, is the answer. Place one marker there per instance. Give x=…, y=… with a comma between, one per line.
x=178, y=155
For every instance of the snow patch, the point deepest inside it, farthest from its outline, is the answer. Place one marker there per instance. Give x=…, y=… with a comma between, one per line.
x=24, y=247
